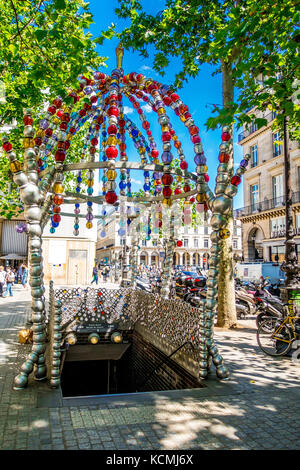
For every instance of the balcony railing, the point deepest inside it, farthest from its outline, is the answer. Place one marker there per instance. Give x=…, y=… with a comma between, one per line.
x=281, y=233
x=265, y=205
x=253, y=127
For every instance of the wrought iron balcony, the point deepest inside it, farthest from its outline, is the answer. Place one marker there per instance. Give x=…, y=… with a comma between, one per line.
x=265, y=205
x=253, y=127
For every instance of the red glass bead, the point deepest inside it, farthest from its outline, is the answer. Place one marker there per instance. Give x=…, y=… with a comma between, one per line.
x=67, y=144
x=146, y=125
x=166, y=137
x=177, y=191
x=40, y=162
x=59, y=113
x=56, y=209
x=38, y=141
x=183, y=108
x=63, y=126
x=196, y=139
x=27, y=120
x=66, y=117
x=82, y=113
x=112, y=129
x=111, y=197
x=92, y=150
x=56, y=218
x=236, y=180
x=176, y=110
x=93, y=99
x=187, y=115
x=121, y=123
x=94, y=141
x=167, y=179
x=192, y=200
x=58, y=199
x=111, y=152
x=113, y=97
x=154, y=153
x=48, y=132
x=179, y=243
x=167, y=191
x=132, y=76
x=148, y=133
x=174, y=97
x=7, y=146
x=193, y=130
x=184, y=165
x=167, y=100
x=113, y=111
x=52, y=109
x=223, y=157
x=100, y=119
x=139, y=77
x=225, y=136
x=60, y=155
x=145, y=98
x=57, y=102
x=206, y=178
x=186, y=188
x=140, y=111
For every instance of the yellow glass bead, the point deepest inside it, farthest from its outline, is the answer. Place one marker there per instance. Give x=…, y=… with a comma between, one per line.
x=40, y=133
x=225, y=233
x=56, y=120
x=165, y=129
x=69, y=136
x=89, y=225
x=58, y=188
x=205, y=169
x=147, y=83
x=142, y=150
x=112, y=140
x=15, y=166
x=121, y=115
x=201, y=197
x=90, y=183
x=179, y=178
x=156, y=161
x=167, y=202
x=28, y=143
x=111, y=174
x=182, y=118
x=174, y=137
x=161, y=111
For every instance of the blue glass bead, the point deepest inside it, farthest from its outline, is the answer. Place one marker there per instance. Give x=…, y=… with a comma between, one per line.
x=146, y=187
x=135, y=133
x=146, y=174
x=52, y=230
x=55, y=224
x=103, y=234
x=90, y=191
x=122, y=185
x=77, y=189
x=89, y=203
x=79, y=179
x=76, y=226
x=77, y=205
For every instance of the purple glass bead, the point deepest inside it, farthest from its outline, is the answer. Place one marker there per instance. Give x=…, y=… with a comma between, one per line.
x=167, y=157
x=44, y=123
x=77, y=211
x=200, y=159
x=158, y=188
x=89, y=216
x=152, y=145
x=244, y=163
x=45, y=140
x=88, y=90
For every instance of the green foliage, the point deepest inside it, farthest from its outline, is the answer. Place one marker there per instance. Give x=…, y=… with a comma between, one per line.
x=245, y=39
x=44, y=46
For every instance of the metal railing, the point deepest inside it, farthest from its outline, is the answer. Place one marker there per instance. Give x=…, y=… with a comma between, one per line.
x=253, y=127
x=265, y=205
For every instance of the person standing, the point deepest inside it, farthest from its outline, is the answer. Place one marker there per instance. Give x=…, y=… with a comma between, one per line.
x=24, y=275
x=95, y=275
x=20, y=272
x=10, y=278
x=2, y=280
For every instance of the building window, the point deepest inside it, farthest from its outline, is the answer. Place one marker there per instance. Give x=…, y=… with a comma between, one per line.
x=299, y=178
x=276, y=144
x=277, y=188
x=195, y=242
x=205, y=242
x=253, y=126
x=254, y=196
x=186, y=242
x=235, y=244
x=205, y=230
x=235, y=231
x=144, y=242
x=154, y=242
x=253, y=153
x=277, y=227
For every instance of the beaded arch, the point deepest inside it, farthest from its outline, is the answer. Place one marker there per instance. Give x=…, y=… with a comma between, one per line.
x=99, y=104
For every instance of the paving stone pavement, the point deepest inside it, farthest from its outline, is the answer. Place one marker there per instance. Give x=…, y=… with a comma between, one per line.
x=258, y=408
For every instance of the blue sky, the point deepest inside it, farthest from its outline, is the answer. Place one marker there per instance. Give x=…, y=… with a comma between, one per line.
x=198, y=94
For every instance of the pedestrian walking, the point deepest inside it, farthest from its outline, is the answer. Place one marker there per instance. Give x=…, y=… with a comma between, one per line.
x=19, y=273
x=24, y=276
x=10, y=278
x=105, y=273
x=2, y=280
x=95, y=275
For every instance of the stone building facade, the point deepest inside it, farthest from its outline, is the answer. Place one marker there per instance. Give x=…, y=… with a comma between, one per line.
x=263, y=217
x=193, y=252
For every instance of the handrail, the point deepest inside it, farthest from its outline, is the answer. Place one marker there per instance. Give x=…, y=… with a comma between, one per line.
x=163, y=362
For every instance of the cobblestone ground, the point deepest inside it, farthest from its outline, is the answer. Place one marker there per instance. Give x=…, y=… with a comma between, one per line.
x=258, y=408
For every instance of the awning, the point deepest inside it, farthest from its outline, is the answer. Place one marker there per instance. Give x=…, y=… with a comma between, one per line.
x=12, y=256
x=96, y=352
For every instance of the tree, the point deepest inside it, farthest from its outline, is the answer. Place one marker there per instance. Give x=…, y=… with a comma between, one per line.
x=44, y=46
x=243, y=39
